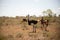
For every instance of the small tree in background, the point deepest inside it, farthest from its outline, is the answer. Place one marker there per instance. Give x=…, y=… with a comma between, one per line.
x=48, y=14
x=44, y=12
x=59, y=15
x=54, y=17
x=17, y=17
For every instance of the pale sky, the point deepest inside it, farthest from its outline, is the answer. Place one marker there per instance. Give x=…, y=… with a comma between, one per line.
x=25, y=7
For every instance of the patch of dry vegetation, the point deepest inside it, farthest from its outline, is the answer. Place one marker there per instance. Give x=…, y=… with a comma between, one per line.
x=15, y=29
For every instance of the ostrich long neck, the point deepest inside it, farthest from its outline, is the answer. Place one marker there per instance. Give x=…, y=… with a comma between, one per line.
x=28, y=18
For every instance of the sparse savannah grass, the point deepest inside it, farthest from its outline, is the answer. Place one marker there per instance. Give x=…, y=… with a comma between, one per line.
x=19, y=35
x=12, y=22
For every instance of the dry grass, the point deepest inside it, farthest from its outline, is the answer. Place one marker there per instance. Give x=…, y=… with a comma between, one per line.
x=15, y=29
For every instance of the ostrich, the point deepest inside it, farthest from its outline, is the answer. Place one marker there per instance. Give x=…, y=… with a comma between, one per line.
x=30, y=21
x=34, y=22
x=44, y=22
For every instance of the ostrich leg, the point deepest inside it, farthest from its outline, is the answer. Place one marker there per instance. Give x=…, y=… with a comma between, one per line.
x=34, y=29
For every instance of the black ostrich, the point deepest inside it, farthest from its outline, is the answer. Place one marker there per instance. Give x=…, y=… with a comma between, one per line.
x=30, y=21
x=34, y=22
